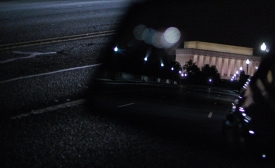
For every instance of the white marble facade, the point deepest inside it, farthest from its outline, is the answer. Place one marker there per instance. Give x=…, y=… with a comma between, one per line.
x=227, y=63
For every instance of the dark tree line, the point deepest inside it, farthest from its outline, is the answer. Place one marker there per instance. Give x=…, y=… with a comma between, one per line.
x=207, y=74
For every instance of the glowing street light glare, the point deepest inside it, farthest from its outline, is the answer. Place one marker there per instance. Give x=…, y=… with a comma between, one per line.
x=263, y=47
x=251, y=132
x=241, y=68
x=145, y=59
x=247, y=61
x=162, y=64
x=116, y=49
x=237, y=72
x=172, y=68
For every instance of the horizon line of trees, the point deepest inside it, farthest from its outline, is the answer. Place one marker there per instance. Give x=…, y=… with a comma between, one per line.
x=195, y=75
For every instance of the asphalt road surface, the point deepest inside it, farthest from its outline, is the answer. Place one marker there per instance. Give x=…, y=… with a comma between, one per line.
x=129, y=125
x=49, y=49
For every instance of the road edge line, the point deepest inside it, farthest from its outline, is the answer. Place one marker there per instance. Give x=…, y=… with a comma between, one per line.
x=51, y=108
x=49, y=73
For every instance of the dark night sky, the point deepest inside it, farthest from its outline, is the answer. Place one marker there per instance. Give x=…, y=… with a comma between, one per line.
x=246, y=23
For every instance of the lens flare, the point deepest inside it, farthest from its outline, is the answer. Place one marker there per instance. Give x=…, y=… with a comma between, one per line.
x=138, y=31
x=167, y=39
x=156, y=40
x=172, y=35
x=148, y=35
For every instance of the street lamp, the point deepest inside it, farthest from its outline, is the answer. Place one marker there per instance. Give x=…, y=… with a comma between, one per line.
x=145, y=59
x=116, y=49
x=172, y=68
x=263, y=47
x=162, y=65
x=247, y=63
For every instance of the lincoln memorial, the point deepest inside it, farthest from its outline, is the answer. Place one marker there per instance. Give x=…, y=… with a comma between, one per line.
x=228, y=59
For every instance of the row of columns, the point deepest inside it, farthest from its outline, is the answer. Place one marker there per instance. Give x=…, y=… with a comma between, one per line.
x=226, y=67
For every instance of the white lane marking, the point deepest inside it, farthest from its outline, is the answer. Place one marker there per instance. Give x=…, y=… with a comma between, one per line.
x=31, y=55
x=210, y=115
x=51, y=108
x=126, y=105
x=49, y=73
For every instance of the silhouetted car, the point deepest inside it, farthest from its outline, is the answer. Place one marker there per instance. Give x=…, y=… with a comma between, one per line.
x=251, y=120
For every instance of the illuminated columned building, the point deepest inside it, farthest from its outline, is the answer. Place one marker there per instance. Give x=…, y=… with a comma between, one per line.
x=228, y=59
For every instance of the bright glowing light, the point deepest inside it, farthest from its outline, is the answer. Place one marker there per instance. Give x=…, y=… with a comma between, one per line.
x=263, y=47
x=241, y=109
x=116, y=49
x=251, y=132
x=180, y=72
x=172, y=35
x=247, y=61
x=263, y=155
x=172, y=68
x=237, y=72
x=256, y=67
x=244, y=114
x=159, y=39
x=145, y=59
x=241, y=68
x=185, y=74
x=210, y=80
x=162, y=64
